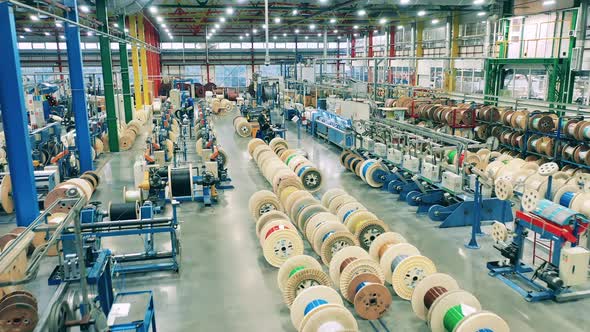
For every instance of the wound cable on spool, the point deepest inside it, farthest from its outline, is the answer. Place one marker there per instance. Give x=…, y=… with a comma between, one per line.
x=313, y=304
x=124, y=211
x=180, y=182
x=397, y=260
x=433, y=294
x=455, y=315
x=566, y=198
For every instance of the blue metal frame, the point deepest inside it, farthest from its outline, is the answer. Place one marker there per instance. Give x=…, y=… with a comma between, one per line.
x=72, y=34
x=14, y=118
x=149, y=319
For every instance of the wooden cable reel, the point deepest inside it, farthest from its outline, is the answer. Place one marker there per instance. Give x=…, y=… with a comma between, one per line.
x=18, y=312
x=543, y=123
x=6, y=200
x=242, y=126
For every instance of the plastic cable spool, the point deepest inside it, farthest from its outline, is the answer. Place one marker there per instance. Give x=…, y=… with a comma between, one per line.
x=180, y=181
x=268, y=217
x=329, y=318
x=280, y=243
x=366, y=232
x=428, y=290
x=308, y=212
x=389, y=252
x=499, y=232
x=444, y=302
x=294, y=265
x=311, y=179
x=352, y=267
x=331, y=194
x=383, y=242
x=336, y=264
x=345, y=210
x=323, y=232
x=334, y=243
x=357, y=217
x=567, y=198
x=318, y=295
x=408, y=271
x=302, y=279
x=124, y=211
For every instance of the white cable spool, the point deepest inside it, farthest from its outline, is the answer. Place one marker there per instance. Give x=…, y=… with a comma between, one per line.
x=503, y=188
x=529, y=200
x=499, y=232
x=6, y=200
x=130, y=196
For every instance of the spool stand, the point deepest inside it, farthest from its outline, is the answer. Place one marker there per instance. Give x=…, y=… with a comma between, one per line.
x=514, y=267
x=94, y=228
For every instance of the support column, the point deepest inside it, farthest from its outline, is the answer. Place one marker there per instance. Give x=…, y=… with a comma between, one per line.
x=72, y=34
x=370, y=51
x=124, y=59
x=454, y=52
x=392, y=31
x=353, y=46
x=296, y=56
x=419, y=48
x=144, y=66
x=14, y=118
x=135, y=62
x=325, y=43
x=107, y=75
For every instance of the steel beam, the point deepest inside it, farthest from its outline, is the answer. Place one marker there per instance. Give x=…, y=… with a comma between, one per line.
x=124, y=63
x=14, y=120
x=107, y=76
x=135, y=62
x=79, y=106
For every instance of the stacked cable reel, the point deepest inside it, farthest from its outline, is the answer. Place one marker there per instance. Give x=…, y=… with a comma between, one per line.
x=298, y=273
x=361, y=282
x=403, y=265
x=242, y=126
x=363, y=224
x=278, y=237
x=438, y=300
x=371, y=171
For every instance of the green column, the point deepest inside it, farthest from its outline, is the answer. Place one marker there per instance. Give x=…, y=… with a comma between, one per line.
x=107, y=75
x=124, y=59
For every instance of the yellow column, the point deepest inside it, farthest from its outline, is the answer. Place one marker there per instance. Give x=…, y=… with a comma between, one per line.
x=135, y=62
x=452, y=72
x=144, y=67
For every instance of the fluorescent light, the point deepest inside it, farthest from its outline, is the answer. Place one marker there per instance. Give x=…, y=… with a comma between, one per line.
x=376, y=32
x=222, y=19
x=217, y=26
x=319, y=34
x=323, y=1
x=171, y=37
x=27, y=30
x=421, y=13
x=295, y=12
x=306, y=37
x=277, y=20
x=21, y=37
x=83, y=8
x=229, y=10
x=332, y=20
x=284, y=34
x=153, y=9
x=247, y=34
x=62, y=37
x=274, y=37
x=34, y=17
x=89, y=33
x=401, y=27
x=435, y=21
x=481, y=13
x=208, y=37
x=167, y=30
x=361, y=12
x=213, y=30
x=356, y=34
x=296, y=30
x=163, y=25
x=115, y=25
x=335, y=31
x=47, y=33
x=355, y=27
x=254, y=30
x=264, y=26
x=338, y=37
x=126, y=30
x=404, y=2
x=478, y=2
x=159, y=19
x=241, y=37
x=312, y=27
x=548, y=3
x=383, y=21
x=58, y=24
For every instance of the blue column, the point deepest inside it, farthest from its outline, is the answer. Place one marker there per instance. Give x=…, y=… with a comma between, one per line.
x=72, y=33
x=14, y=121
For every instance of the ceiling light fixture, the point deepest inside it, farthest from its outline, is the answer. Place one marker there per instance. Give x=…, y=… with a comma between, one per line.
x=435, y=21
x=478, y=2
x=84, y=8
x=126, y=30
x=296, y=30
x=89, y=34
x=306, y=37
x=62, y=37
x=382, y=21
x=58, y=24
x=264, y=26
x=332, y=20
x=548, y=3
x=400, y=27
x=241, y=37
x=404, y=2
x=229, y=10
x=335, y=31
x=247, y=34
x=21, y=37
x=27, y=30
x=481, y=13
x=153, y=9
x=213, y=30
x=217, y=26
x=47, y=33
x=34, y=17
x=254, y=31
x=277, y=20
x=159, y=19
x=284, y=35
x=319, y=34
x=222, y=19
x=421, y=13
x=295, y=12
x=274, y=37
x=312, y=27
x=115, y=25
x=355, y=27
x=163, y=25
x=361, y=12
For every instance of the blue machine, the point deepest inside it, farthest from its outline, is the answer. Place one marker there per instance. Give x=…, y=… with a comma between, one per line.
x=333, y=128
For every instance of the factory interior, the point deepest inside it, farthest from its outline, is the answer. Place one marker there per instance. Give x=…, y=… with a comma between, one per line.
x=298, y=166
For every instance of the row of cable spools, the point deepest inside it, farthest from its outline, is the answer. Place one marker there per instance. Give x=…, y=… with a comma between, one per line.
x=297, y=161
x=242, y=126
x=371, y=171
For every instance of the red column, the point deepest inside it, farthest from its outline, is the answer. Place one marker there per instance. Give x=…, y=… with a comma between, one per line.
x=392, y=41
x=352, y=46
x=370, y=53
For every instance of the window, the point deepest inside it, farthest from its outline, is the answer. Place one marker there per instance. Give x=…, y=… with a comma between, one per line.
x=166, y=46
x=259, y=45
x=91, y=46
x=236, y=45
x=279, y=45
x=270, y=71
x=177, y=46
x=223, y=45
x=230, y=76
x=25, y=46
x=193, y=72
x=51, y=46
x=38, y=46
x=189, y=45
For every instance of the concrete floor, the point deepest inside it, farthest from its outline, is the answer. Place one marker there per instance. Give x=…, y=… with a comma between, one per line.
x=225, y=284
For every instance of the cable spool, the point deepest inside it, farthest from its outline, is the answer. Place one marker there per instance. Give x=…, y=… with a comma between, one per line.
x=294, y=265
x=382, y=243
x=335, y=242
x=566, y=194
x=323, y=233
x=358, y=217
x=253, y=144
x=294, y=197
x=367, y=231
x=268, y=217
x=543, y=123
x=309, y=300
x=308, y=212
x=428, y=290
x=371, y=299
x=582, y=130
x=311, y=178
x=130, y=196
x=180, y=181
x=331, y=194
x=242, y=126
x=352, y=267
x=302, y=279
x=329, y=318
x=346, y=210
x=299, y=205
x=6, y=200
x=280, y=241
x=18, y=312
x=263, y=201
x=407, y=271
x=317, y=221
x=124, y=211
x=339, y=201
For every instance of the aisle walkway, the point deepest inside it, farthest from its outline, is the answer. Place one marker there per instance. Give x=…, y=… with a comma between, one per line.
x=225, y=284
